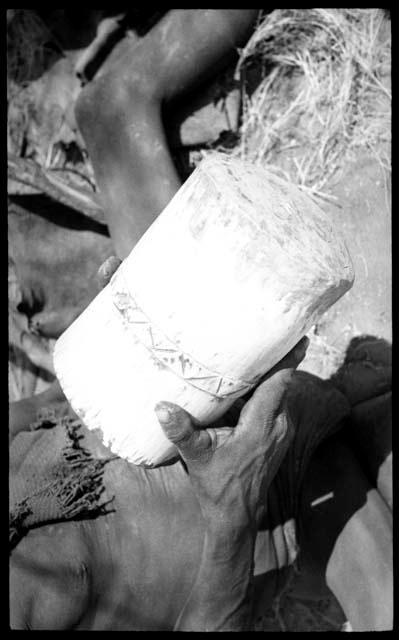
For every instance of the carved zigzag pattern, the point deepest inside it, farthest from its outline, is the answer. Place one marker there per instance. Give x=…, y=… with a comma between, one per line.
x=166, y=351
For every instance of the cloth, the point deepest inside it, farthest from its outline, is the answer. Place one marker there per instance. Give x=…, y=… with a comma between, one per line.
x=62, y=481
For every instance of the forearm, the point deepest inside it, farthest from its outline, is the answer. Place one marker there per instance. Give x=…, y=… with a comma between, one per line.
x=221, y=597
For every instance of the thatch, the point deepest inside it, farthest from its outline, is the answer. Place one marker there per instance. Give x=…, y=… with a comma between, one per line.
x=29, y=47
x=324, y=92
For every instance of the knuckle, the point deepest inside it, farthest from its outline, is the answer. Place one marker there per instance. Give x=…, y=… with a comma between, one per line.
x=179, y=436
x=178, y=431
x=283, y=426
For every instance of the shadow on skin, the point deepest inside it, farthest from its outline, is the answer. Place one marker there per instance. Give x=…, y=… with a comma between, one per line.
x=324, y=487
x=341, y=472
x=365, y=377
x=65, y=598
x=348, y=463
x=345, y=524
x=59, y=214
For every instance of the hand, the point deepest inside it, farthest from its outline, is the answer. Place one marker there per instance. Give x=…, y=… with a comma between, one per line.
x=230, y=471
x=231, y=468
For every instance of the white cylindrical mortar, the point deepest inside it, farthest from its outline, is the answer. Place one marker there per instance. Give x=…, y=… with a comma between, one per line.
x=224, y=283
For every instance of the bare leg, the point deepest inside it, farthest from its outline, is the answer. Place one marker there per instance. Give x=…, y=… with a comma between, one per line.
x=119, y=114
x=347, y=537
x=366, y=379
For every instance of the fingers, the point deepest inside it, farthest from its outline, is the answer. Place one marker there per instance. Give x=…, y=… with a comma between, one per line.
x=107, y=270
x=258, y=417
x=293, y=358
x=259, y=414
x=219, y=436
x=178, y=426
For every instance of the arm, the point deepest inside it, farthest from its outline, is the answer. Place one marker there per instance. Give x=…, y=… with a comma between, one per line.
x=230, y=471
x=221, y=597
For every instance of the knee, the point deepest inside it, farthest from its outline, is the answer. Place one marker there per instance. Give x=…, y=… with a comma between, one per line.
x=97, y=100
x=117, y=96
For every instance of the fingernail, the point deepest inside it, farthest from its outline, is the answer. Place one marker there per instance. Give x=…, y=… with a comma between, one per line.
x=164, y=414
x=106, y=271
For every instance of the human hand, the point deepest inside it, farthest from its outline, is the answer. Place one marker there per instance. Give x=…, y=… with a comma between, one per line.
x=231, y=468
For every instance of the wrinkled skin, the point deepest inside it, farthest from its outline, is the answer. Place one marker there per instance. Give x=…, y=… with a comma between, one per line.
x=156, y=520
x=157, y=525
x=98, y=561
x=176, y=552
x=155, y=508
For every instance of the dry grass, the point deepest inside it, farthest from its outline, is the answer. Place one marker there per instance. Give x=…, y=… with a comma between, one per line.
x=30, y=45
x=30, y=48
x=41, y=90
x=324, y=93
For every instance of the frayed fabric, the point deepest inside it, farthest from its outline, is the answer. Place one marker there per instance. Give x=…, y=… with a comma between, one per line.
x=62, y=482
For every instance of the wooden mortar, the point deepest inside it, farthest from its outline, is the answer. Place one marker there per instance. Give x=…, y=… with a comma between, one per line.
x=230, y=276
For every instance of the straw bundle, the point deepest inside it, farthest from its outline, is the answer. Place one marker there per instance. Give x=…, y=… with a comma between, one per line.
x=324, y=94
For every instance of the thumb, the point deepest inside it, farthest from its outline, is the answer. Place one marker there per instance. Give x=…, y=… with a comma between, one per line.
x=178, y=426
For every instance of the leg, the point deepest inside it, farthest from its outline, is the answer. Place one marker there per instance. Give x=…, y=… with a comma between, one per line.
x=347, y=537
x=366, y=380
x=318, y=409
x=371, y=434
x=119, y=114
